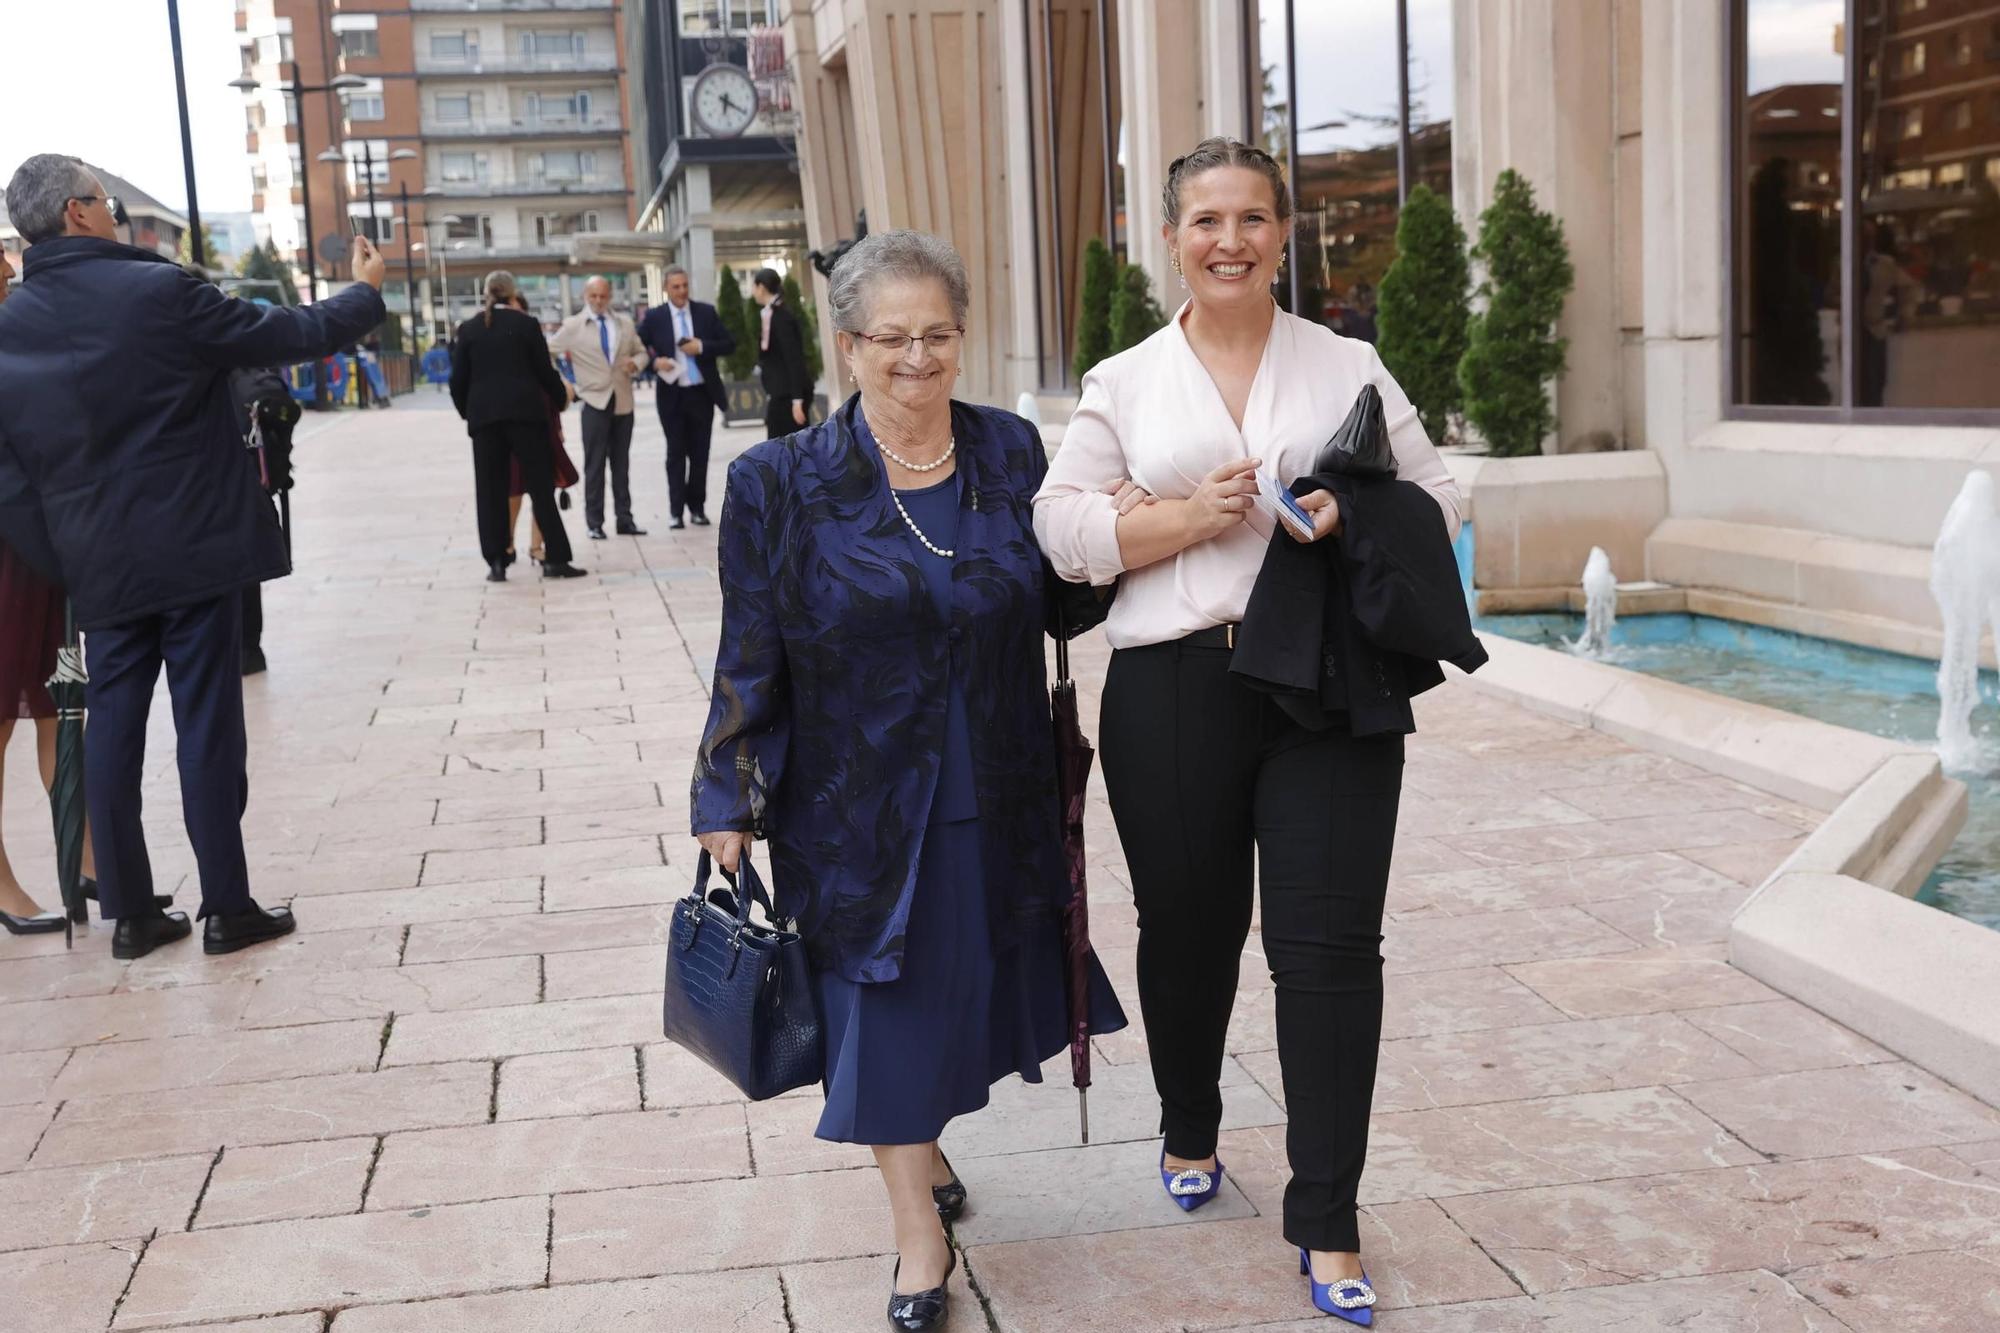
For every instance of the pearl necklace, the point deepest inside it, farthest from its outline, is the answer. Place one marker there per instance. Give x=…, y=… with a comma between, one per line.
x=929, y=545
x=896, y=458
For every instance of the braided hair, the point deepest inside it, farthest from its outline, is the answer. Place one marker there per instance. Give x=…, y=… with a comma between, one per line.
x=1221, y=151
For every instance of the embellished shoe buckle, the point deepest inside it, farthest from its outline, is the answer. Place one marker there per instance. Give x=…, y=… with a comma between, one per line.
x=1365, y=1294
x=1190, y=1181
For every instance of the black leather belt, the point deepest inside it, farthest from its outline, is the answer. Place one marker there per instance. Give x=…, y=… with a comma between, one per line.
x=1215, y=636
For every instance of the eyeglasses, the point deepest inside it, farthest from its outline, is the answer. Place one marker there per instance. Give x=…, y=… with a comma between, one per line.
x=937, y=342
x=110, y=201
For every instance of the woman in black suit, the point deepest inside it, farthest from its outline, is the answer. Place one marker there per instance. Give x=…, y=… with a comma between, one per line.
x=504, y=385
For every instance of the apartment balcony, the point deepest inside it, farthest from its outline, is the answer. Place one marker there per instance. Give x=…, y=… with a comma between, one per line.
x=516, y=64
x=602, y=125
x=530, y=187
x=505, y=6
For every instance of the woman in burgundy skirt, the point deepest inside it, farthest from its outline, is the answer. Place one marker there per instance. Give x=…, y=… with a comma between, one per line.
x=566, y=475
x=31, y=629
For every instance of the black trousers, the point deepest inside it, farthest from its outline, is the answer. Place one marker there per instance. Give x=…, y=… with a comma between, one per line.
x=253, y=617
x=778, y=420
x=607, y=438
x=688, y=418
x=526, y=442
x=1202, y=771
x=201, y=647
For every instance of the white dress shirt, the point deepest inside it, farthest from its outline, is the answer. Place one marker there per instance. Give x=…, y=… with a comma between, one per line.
x=1154, y=415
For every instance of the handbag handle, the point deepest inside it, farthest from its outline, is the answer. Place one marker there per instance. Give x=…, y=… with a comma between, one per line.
x=746, y=877
x=1062, y=643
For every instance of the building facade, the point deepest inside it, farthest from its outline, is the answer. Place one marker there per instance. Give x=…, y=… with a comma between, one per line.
x=476, y=134
x=1784, y=215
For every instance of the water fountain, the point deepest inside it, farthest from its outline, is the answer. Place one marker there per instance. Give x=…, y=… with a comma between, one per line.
x=1965, y=580
x=1600, y=604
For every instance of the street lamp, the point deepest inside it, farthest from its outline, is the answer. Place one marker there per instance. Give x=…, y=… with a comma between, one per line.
x=409, y=258
x=444, y=278
x=339, y=83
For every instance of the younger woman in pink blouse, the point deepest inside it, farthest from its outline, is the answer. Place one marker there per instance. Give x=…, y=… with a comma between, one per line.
x=1153, y=489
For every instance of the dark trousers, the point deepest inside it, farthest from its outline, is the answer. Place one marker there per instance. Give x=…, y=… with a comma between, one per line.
x=253, y=618
x=526, y=442
x=688, y=418
x=1202, y=771
x=607, y=438
x=778, y=420
x=202, y=649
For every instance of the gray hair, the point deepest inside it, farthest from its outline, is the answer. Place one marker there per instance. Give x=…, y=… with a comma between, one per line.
x=501, y=289
x=40, y=192
x=1221, y=152
x=672, y=271
x=894, y=254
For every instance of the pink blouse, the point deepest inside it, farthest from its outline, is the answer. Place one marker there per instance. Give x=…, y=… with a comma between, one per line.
x=1153, y=414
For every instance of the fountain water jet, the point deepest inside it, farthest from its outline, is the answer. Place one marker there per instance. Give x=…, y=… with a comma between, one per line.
x=1965, y=580
x=1600, y=604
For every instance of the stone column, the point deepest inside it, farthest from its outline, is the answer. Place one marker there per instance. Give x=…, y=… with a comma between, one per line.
x=1535, y=91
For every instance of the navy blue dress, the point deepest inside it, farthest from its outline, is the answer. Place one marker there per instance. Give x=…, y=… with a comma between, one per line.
x=904, y=1057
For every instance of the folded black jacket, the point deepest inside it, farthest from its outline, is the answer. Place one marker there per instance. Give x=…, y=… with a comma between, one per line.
x=1355, y=626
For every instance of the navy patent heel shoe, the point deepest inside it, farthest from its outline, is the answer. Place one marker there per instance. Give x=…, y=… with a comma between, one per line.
x=1191, y=1187
x=950, y=1199
x=1349, y=1298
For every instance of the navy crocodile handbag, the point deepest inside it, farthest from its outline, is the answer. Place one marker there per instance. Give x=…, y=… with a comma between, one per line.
x=740, y=995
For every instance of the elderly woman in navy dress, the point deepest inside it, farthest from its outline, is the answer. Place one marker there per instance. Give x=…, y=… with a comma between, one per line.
x=882, y=587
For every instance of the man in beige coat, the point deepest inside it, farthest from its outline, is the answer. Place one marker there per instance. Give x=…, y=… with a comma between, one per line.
x=604, y=354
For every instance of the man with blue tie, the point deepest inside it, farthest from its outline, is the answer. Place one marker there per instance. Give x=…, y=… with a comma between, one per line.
x=604, y=354
x=685, y=339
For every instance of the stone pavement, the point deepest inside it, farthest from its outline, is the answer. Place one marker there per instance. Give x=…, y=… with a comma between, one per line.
x=444, y=1104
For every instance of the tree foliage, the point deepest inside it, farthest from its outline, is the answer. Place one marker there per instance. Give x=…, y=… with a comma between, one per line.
x=1421, y=310
x=1135, y=315
x=263, y=263
x=1093, y=312
x=808, y=325
x=735, y=314
x=1512, y=351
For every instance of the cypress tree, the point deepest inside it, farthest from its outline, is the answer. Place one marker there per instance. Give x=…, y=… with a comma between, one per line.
x=1093, y=312
x=1135, y=315
x=1422, y=309
x=730, y=309
x=1512, y=351
x=808, y=325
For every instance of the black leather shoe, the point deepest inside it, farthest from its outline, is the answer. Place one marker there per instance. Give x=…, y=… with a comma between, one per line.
x=561, y=570
x=160, y=900
x=925, y=1309
x=496, y=572
x=42, y=923
x=597, y=535
x=630, y=530
x=240, y=930
x=675, y=526
x=698, y=518
x=950, y=1199
x=253, y=662
x=137, y=936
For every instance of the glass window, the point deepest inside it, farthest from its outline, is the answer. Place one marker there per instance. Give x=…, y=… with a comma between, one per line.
x=552, y=47
x=359, y=161
x=703, y=17
x=452, y=108
x=1347, y=180
x=462, y=167
x=449, y=46
x=364, y=103
x=362, y=42
x=1788, y=289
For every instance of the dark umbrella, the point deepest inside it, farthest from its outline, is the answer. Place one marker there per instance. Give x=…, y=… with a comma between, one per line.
x=1073, y=759
x=66, y=796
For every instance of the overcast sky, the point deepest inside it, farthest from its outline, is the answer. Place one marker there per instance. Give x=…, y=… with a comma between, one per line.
x=96, y=78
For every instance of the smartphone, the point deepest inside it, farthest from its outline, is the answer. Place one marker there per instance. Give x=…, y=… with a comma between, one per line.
x=1274, y=499
x=355, y=227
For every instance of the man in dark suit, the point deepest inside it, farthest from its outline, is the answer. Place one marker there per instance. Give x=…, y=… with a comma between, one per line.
x=781, y=357
x=124, y=477
x=685, y=339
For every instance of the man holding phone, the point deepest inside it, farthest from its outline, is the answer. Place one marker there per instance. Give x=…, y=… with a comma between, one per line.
x=123, y=476
x=685, y=339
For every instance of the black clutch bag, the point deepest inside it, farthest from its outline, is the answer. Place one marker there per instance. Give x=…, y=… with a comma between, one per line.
x=739, y=995
x=1360, y=448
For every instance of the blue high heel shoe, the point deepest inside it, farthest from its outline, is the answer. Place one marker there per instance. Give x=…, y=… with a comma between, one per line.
x=1351, y=1298
x=1192, y=1187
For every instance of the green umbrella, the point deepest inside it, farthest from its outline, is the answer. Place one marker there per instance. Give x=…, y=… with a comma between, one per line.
x=66, y=796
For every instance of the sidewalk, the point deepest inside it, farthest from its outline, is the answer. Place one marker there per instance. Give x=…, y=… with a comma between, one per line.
x=445, y=1106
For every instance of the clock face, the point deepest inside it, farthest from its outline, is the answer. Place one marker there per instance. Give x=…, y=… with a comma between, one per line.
x=724, y=100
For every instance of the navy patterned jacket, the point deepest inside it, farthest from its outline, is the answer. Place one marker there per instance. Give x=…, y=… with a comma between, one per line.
x=826, y=724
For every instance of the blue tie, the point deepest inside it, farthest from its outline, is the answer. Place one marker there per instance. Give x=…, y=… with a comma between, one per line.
x=682, y=320
x=604, y=337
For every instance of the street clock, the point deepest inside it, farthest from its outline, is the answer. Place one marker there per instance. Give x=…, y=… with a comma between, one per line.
x=724, y=101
